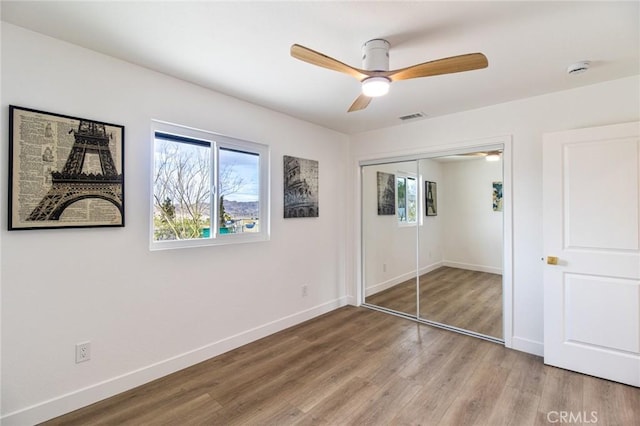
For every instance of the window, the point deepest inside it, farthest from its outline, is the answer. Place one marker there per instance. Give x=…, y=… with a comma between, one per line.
x=407, y=193
x=207, y=189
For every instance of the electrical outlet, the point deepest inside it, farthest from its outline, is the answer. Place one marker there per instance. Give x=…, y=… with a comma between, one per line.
x=83, y=352
x=384, y=267
x=305, y=290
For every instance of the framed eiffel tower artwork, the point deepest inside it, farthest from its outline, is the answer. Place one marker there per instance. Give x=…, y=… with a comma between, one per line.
x=64, y=172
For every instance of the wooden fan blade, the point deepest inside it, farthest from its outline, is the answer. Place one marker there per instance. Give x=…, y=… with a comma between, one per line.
x=361, y=102
x=316, y=58
x=468, y=62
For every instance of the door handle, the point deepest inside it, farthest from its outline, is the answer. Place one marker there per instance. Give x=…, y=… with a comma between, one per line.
x=552, y=260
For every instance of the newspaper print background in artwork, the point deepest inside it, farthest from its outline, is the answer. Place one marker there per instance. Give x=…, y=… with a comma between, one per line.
x=64, y=171
x=300, y=187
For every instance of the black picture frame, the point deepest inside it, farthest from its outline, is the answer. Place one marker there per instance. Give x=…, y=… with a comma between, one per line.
x=64, y=171
x=430, y=198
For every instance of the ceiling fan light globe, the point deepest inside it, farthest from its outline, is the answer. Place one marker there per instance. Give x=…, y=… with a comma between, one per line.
x=375, y=86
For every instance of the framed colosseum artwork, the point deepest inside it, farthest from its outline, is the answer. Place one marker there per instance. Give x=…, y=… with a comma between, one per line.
x=300, y=187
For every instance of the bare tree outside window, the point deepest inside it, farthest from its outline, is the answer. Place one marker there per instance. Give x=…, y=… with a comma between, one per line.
x=182, y=190
x=230, y=183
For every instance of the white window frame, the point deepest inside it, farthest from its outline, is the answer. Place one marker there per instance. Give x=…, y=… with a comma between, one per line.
x=408, y=175
x=216, y=142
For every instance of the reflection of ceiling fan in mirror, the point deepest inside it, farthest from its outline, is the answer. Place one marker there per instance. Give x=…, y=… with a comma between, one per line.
x=487, y=155
x=375, y=75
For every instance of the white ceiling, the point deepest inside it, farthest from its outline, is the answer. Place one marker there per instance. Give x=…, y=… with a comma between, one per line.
x=242, y=48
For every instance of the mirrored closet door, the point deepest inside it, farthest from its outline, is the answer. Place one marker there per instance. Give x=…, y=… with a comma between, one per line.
x=390, y=213
x=436, y=254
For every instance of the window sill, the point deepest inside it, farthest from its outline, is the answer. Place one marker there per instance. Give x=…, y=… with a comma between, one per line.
x=221, y=240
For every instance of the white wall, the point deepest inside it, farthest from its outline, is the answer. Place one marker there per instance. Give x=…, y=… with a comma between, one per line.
x=390, y=248
x=432, y=233
x=525, y=120
x=150, y=313
x=472, y=230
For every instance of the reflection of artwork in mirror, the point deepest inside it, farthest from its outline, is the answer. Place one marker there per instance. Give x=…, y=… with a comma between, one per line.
x=431, y=196
x=300, y=187
x=386, y=194
x=497, y=196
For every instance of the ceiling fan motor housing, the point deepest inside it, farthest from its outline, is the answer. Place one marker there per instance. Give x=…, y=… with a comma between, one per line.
x=375, y=55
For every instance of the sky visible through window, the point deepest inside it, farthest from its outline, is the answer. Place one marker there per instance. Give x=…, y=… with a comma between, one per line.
x=245, y=167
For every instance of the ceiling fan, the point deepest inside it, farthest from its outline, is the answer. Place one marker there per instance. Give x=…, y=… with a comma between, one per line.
x=375, y=75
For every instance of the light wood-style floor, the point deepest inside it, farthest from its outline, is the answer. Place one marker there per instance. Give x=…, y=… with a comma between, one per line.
x=465, y=299
x=356, y=366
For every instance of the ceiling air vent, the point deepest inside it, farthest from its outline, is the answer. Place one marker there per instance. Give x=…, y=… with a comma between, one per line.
x=413, y=116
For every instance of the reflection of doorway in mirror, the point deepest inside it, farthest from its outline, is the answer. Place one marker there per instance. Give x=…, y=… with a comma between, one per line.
x=431, y=194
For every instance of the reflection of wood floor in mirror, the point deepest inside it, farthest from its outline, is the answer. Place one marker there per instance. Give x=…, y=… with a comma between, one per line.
x=461, y=298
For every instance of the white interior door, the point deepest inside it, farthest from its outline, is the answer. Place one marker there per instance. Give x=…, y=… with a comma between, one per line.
x=591, y=224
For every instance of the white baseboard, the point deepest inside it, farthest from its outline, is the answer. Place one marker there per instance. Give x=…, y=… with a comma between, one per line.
x=429, y=268
x=472, y=267
x=377, y=288
x=527, y=345
x=82, y=397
